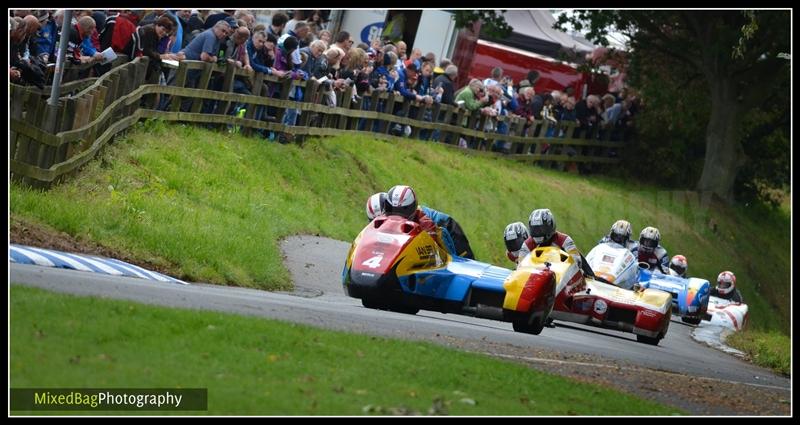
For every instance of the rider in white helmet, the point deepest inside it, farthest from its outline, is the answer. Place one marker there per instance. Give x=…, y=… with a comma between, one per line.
x=452, y=235
x=726, y=287
x=514, y=237
x=678, y=266
x=620, y=233
x=375, y=205
x=651, y=251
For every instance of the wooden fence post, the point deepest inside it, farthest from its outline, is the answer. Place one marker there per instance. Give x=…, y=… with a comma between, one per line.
x=286, y=87
x=347, y=98
x=357, y=105
x=180, y=81
x=373, y=106
x=16, y=96
x=258, y=84
x=390, y=101
x=30, y=155
x=205, y=77
x=67, y=119
x=227, y=87
x=447, y=120
x=309, y=96
x=420, y=116
x=47, y=152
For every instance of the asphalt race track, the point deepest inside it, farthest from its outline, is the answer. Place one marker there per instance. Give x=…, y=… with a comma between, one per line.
x=316, y=265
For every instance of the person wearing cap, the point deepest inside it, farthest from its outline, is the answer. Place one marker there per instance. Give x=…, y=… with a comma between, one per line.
x=405, y=85
x=43, y=44
x=287, y=58
x=224, y=15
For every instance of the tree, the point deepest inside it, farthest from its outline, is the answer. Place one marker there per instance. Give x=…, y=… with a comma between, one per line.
x=492, y=23
x=741, y=55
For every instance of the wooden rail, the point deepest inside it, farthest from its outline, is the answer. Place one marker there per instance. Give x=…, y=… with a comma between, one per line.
x=48, y=143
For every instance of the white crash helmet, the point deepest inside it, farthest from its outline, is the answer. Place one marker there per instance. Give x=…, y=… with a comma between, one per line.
x=514, y=236
x=679, y=265
x=649, y=239
x=620, y=232
x=400, y=200
x=542, y=225
x=375, y=205
x=726, y=282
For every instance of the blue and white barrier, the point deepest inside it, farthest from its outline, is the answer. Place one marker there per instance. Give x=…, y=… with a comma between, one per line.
x=21, y=254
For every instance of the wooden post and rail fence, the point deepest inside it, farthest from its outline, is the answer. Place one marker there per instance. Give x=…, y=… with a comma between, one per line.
x=49, y=143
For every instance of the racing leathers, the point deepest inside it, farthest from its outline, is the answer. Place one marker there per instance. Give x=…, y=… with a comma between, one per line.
x=632, y=245
x=561, y=240
x=656, y=260
x=453, y=236
x=429, y=226
x=676, y=274
x=424, y=221
x=734, y=295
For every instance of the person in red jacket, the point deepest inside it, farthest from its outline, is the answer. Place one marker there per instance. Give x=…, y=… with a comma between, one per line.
x=542, y=228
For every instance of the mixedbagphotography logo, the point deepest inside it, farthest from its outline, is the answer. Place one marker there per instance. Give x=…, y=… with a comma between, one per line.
x=101, y=399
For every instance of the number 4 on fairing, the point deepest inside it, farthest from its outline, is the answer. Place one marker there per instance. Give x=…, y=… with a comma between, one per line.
x=373, y=262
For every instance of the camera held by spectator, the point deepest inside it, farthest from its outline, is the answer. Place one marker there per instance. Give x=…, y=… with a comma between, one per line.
x=325, y=83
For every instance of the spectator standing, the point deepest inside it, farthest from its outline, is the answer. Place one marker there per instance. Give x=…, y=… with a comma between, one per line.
x=44, y=42
x=213, y=19
x=297, y=16
x=587, y=112
x=314, y=52
x=445, y=82
x=300, y=32
x=145, y=43
x=278, y=24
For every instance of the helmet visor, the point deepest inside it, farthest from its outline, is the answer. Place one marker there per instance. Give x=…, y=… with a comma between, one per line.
x=405, y=212
x=723, y=284
x=540, y=231
x=514, y=244
x=678, y=269
x=651, y=244
x=618, y=238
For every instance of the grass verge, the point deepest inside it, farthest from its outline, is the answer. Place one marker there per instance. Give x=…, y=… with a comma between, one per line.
x=766, y=348
x=211, y=207
x=256, y=366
